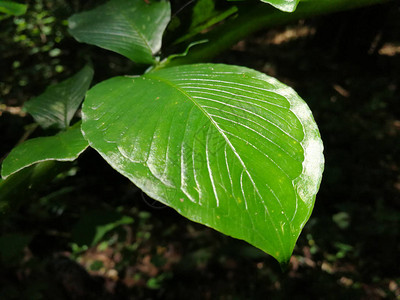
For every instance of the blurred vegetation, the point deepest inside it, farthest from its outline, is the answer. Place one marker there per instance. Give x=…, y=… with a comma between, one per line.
x=91, y=234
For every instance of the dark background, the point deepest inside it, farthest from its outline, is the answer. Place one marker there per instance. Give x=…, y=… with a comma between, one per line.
x=346, y=66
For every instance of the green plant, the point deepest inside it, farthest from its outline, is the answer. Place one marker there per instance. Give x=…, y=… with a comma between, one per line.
x=10, y=8
x=225, y=146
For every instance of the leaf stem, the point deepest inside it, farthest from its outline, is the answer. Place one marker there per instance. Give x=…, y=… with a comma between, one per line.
x=257, y=17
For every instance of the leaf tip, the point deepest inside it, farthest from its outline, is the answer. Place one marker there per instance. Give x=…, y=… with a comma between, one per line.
x=287, y=6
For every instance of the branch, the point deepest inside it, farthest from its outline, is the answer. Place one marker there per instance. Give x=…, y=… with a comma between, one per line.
x=262, y=16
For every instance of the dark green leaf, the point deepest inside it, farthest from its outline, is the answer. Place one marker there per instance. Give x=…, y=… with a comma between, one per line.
x=12, y=8
x=92, y=226
x=204, y=16
x=225, y=146
x=131, y=28
x=285, y=5
x=202, y=11
x=65, y=146
x=58, y=104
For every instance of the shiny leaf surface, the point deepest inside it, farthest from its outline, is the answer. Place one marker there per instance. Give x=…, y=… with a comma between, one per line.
x=58, y=104
x=132, y=28
x=65, y=146
x=225, y=146
x=284, y=5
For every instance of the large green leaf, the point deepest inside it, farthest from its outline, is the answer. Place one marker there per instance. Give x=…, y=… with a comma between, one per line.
x=65, y=146
x=58, y=104
x=284, y=5
x=132, y=28
x=12, y=8
x=225, y=146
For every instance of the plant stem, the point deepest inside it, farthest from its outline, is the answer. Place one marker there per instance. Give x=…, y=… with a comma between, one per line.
x=257, y=17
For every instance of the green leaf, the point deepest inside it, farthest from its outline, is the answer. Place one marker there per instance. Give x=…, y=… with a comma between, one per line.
x=284, y=5
x=12, y=8
x=225, y=146
x=202, y=11
x=92, y=226
x=59, y=103
x=132, y=28
x=170, y=58
x=208, y=22
x=65, y=146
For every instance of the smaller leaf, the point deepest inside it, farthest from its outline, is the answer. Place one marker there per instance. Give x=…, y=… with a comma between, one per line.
x=92, y=226
x=202, y=11
x=284, y=5
x=58, y=104
x=131, y=28
x=12, y=8
x=65, y=146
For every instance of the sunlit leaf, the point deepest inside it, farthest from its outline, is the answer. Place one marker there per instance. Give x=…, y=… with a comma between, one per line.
x=225, y=146
x=133, y=28
x=65, y=146
x=285, y=5
x=58, y=104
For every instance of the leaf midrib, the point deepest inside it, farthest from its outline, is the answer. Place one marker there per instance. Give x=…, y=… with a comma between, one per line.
x=135, y=28
x=204, y=112
x=170, y=83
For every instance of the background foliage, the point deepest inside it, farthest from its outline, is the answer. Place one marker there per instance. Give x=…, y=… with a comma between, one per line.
x=91, y=234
